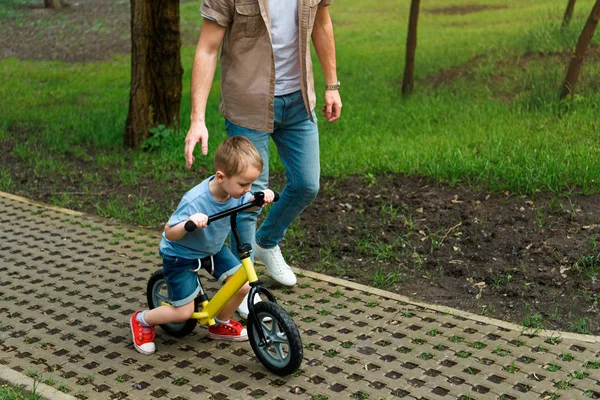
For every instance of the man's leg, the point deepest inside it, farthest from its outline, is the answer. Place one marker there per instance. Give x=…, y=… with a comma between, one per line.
x=297, y=141
x=247, y=220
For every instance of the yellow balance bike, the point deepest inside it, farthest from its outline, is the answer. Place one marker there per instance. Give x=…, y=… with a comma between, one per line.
x=273, y=335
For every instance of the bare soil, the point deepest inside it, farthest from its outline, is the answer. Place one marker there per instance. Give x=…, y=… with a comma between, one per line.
x=532, y=260
x=464, y=9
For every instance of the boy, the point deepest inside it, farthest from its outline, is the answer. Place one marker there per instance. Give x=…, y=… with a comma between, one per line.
x=237, y=164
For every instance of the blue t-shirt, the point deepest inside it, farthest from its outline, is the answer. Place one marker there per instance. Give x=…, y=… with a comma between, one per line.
x=202, y=242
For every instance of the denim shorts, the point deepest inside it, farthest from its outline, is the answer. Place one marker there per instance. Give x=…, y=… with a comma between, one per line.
x=182, y=276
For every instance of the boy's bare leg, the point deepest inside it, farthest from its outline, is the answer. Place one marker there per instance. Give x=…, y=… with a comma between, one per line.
x=227, y=311
x=169, y=314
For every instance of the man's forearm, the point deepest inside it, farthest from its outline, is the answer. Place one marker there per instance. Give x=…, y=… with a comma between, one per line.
x=323, y=39
x=203, y=73
x=205, y=65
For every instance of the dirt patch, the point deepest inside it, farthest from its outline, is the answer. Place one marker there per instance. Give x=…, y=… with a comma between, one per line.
x=498, y=254
x=84, y=31
x=464, y=9
x=503, y=83
x=532, y=260
x=450, y=75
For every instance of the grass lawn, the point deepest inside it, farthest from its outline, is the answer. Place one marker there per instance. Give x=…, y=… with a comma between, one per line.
x=500, y=125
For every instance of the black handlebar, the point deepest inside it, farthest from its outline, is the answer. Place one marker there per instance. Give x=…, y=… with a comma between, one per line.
x=259, y=199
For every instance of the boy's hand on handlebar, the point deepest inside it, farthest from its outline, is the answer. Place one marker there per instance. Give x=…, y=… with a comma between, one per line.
x=269, y=197
x=200, y=220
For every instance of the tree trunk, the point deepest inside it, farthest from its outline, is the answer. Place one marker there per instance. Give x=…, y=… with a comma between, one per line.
x=568, y=13
x=55, y=4
x=411, y=46
x=156, y=70
x=582, y=45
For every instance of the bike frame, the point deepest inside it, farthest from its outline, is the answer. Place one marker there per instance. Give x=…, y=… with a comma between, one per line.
x=212, y=307
x=246, y=273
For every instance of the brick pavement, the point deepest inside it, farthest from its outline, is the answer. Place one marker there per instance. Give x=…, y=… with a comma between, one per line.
x=69, y=282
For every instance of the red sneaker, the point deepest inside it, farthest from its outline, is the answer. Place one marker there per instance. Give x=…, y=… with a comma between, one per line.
x=143, y=336
x=232, y=330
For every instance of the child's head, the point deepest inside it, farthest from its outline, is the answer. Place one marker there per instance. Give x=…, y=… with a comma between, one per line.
x=235, y=154
x=237, y=165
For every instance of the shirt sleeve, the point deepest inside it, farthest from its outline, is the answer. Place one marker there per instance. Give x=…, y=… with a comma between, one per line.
x=183, y=212
x=325, y=3
x=219, y=11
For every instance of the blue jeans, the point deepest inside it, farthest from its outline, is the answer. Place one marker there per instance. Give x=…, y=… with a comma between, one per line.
x=297, y=141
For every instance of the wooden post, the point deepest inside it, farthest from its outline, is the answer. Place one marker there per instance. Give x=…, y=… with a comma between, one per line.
x=411, y=46
x=582, y=45
x=568, y=13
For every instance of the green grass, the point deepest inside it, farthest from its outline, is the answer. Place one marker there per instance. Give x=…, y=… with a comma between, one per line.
x=498, y=124
x=12, y=392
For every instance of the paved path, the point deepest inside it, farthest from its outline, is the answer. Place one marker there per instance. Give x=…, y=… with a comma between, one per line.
x=69, y=282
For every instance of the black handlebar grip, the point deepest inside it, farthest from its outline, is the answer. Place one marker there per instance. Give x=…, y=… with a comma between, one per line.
x=259, y=198
x=190, y=226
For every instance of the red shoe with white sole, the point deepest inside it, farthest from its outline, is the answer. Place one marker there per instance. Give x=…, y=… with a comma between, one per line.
x=143, y=336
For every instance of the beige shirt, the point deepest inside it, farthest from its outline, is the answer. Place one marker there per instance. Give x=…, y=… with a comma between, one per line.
x=247, y=61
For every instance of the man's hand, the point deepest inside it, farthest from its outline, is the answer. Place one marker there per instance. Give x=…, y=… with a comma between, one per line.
x=332, y=109
x=197, y=134
x=200, y=220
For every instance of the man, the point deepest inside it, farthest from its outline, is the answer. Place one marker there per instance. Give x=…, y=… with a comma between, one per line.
x=267, y=91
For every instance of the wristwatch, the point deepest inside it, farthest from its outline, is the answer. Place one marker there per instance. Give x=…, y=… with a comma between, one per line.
x=334, y=86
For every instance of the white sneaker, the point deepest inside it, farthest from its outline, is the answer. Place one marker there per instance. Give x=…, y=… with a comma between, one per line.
x=243, y=308
x=276, y=265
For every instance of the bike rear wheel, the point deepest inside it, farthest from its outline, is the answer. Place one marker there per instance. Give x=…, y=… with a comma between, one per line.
x=282, y=352
x=156, y=293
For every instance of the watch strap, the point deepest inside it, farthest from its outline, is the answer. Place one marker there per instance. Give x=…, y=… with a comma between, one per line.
x=333, y=86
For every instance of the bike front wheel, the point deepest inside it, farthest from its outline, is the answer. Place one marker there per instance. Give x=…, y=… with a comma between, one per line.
x=157, y=293
x=281, y=352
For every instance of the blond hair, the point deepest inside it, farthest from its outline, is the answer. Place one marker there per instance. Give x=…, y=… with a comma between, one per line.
x=235, y=154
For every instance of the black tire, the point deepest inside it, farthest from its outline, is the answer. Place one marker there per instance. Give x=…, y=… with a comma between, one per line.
x=283, y=353
x=156, y=292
